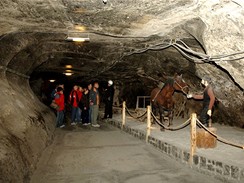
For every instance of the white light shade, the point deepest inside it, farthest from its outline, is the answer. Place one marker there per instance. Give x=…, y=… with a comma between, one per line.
x=68, y=73
x=52, y=80
x=78, y=39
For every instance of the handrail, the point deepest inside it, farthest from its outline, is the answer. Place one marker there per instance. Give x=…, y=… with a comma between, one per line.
x=137, y=117
x=183, y=125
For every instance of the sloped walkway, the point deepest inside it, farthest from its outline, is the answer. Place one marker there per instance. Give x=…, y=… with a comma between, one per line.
x=224, y=161
x=106, y=155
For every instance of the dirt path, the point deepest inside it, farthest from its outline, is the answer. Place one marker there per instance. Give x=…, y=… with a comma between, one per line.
x=107, y=155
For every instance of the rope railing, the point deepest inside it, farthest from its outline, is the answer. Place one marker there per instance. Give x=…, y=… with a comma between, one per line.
x=218, y=137
x=183, y=125
x=192, y=120
x=136, y=117
x=193, y=132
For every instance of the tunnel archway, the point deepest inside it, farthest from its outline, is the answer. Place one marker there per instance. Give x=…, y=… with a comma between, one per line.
x=131, y=43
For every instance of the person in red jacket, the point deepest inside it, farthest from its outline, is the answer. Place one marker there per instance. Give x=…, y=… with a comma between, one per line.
x=74, y=101
x=80, y=95
x=59, y=100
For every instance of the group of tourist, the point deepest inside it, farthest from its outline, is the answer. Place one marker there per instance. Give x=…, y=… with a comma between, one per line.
x=84, y=102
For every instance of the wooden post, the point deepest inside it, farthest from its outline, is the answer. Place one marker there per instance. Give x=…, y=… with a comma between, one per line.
x=193, y=136
x=137, y=102
x=123, y=115
x=148, y=122
x=210, y=122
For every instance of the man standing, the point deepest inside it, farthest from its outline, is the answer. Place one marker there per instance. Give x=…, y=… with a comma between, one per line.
x=55, y=91
x=89, y=86
x=79, y=111
x=94, y=100
x=59, y=100
x=74, y=101
x=84, y=106
x=109, y=96
x=208, y=98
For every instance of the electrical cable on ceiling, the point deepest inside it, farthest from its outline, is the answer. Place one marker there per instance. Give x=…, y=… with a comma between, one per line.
x=187, y=52
x=184, y=49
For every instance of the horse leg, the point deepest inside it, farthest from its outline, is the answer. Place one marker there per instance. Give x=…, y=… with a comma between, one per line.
x=167, y=118
x=171, y=116
x=161, y=114
x=154, y=111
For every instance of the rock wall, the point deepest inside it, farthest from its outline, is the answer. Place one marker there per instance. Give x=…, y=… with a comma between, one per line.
x=26, y=125
x=223, y=35
x=26, y=128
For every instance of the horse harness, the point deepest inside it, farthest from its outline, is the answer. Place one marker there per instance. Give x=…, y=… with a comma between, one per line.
x=182, y=89
x=157, y=94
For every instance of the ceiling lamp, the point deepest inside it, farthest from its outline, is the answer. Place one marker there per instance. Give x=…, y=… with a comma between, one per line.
x=80, y=28
x=68, y=66
x=68, y=73
x=78, y=39
x=76, y=34
x=52, y=80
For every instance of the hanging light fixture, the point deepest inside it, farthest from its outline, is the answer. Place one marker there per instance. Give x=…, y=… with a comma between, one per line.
x=76, y=33
x=68, y=66
x=78, y=39
x=68, y=73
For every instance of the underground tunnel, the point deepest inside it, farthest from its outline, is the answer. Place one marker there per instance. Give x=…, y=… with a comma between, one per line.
x=137, y=44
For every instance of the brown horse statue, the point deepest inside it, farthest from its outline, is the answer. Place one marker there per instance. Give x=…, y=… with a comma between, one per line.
x=162, y=99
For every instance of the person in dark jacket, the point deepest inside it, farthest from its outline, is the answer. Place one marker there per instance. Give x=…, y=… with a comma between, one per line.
x=55, y=91
x=59, y=100
x=109, y=96
x=94, y=99
x=208, y=98
x=84, y=106
x=89, y=86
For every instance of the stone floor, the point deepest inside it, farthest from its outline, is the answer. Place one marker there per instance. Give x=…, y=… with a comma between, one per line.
x=106, y=154
x=224, y=160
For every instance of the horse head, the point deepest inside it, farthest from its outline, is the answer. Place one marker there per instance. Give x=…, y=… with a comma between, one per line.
x=180, y=85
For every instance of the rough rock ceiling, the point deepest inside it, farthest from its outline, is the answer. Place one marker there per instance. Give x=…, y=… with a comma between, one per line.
x=116, y=30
